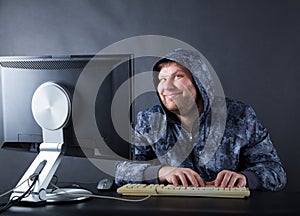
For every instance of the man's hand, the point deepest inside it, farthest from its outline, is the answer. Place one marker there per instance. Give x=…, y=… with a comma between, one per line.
x=227, y=178
x=176, y=176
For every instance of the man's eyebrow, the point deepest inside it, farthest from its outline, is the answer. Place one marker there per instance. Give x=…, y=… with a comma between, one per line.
x=172, y=74
x=175, y=72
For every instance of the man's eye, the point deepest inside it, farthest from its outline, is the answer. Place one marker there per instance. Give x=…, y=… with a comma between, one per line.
x=179, y=76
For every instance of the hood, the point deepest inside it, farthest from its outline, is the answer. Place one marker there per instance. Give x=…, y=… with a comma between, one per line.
x=198, y=66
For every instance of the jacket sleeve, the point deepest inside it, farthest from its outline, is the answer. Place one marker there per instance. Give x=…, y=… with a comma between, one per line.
x=143, y=168
x=263, y=167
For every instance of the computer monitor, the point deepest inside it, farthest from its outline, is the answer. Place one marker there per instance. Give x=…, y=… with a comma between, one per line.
x=21, y=76
x=25, y=83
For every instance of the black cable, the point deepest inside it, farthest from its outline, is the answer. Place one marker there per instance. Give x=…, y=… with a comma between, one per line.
x=11, y=202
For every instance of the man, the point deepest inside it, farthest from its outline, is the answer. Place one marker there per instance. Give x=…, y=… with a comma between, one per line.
x=197, y=138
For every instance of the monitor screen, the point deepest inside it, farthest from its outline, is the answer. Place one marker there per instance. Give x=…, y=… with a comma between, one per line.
x=21, y=76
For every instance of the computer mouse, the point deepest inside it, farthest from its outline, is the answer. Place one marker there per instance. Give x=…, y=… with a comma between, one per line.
x=105, y=184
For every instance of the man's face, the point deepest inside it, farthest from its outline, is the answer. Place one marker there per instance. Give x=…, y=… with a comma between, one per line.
x=176, y=89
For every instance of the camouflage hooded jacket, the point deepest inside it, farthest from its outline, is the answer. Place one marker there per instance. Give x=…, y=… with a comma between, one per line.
x=227, y=135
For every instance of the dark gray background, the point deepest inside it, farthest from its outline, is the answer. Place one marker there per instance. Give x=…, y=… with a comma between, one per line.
x=253, y=46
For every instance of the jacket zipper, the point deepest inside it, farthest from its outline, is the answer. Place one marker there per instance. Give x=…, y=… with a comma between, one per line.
x=190, y=136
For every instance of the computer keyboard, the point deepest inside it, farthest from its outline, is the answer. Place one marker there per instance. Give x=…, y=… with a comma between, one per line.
x=171, y=190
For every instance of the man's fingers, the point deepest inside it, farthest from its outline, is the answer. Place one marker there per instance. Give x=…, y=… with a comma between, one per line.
x=230, y=179
x=194, y=178
x=210, y=183
x=226, y=179
x=199, y=181
x=184, y=176
x=233, y=181
x=241, y=183
x=174, y=180
x=183, y=179
x=219, y=179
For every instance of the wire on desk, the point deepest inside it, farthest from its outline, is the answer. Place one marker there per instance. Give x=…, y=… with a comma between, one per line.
x=34, y=178
x=14, y=200
x=5, y=193
x=102, y=197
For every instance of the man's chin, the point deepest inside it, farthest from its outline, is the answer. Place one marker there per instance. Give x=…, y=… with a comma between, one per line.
x=182, y=110
x=171, y=108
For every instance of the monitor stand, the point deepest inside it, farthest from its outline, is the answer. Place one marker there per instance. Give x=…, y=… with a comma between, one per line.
x=51, y=108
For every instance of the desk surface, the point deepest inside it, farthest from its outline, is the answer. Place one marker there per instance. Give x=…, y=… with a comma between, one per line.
x=259, y=203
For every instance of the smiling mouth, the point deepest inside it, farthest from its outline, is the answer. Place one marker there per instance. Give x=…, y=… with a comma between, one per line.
x=172, y=95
